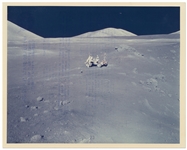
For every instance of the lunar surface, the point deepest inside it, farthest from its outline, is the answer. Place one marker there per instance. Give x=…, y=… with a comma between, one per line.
x=54, y=98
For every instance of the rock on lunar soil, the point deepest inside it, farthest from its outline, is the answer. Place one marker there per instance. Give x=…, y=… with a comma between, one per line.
x=39, y=98
x=23, y=119
x=64, y=102
x=36, y=138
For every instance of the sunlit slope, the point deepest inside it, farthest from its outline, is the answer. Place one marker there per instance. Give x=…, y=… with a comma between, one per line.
x=16, y=32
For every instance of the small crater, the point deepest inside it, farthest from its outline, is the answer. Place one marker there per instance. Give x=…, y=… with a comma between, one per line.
x=34, y=107
x=35, y=115
x=133, y=83
x=64, y=102
x=135, y=70
x=26, y=106
x=141, y=82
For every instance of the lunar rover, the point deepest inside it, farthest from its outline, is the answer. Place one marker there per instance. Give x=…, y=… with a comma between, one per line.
x=91, y=61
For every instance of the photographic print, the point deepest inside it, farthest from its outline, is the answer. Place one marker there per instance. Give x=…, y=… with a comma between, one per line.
x=93, y=74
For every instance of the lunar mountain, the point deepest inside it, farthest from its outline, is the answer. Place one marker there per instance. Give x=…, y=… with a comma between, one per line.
x=108, y=32
x=16, y=33
x=52, y=97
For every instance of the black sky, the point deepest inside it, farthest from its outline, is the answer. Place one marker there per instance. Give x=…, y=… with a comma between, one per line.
x=57, y=21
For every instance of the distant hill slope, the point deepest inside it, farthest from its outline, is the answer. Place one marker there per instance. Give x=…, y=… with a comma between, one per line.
x=177, y=32
x=16, y=32
x=108, y=32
